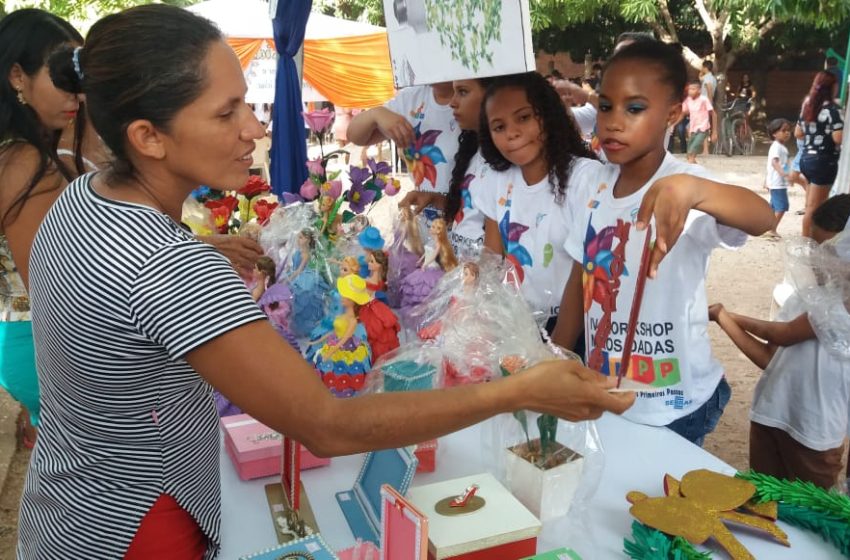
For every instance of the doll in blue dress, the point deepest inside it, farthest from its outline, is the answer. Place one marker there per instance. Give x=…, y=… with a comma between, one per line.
x=307, y=284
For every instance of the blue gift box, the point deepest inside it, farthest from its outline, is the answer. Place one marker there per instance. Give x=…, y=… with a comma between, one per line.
x=310, y=548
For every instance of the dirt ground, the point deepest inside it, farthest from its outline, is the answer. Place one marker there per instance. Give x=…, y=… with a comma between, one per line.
x=742, y=280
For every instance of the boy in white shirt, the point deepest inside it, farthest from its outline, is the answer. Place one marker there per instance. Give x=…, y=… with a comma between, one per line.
x=777, y=171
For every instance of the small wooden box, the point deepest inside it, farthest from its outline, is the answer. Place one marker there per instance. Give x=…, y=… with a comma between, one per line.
x=501, y=529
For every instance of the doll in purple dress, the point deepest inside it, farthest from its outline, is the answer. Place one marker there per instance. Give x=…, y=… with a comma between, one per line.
x=438, y=259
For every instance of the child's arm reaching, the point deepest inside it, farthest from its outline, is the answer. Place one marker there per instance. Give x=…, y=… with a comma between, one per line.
x=758, y=352
x=670, y=199
x=492, y=237
x=779, y=333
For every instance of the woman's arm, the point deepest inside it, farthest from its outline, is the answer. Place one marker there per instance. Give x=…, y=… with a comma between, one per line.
x=242, y=252
x=757, y=351
x=255, y=369
x=671, y=198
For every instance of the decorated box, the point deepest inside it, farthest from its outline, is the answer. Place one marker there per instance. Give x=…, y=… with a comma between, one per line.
x=308, y=548
x=491, y=524
x=404, y=533
x=254, y=448
x=560, y=554
x=426, y=454
x=547, y=491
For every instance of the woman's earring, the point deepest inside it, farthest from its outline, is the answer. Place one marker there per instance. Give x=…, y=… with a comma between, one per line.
x=21, y=99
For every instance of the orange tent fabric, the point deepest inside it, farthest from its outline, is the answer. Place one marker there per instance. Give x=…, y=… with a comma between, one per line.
x=348, y=71
x=246, y=49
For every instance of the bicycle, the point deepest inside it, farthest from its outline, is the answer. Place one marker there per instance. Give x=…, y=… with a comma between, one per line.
x=735, y=135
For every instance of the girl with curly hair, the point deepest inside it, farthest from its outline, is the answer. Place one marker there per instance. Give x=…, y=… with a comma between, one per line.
x=526, y=134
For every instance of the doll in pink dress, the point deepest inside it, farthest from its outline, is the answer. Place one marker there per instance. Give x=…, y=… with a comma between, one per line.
x=437, y=260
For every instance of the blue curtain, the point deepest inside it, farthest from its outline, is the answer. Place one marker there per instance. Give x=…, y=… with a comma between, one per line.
x=289, y=141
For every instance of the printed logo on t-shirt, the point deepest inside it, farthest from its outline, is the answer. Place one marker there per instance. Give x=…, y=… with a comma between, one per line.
x=423, y=156
x=465, y=197
x=418, y=114
x=511, y=233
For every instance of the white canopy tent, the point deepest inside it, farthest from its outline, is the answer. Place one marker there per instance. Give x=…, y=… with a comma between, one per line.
x=249, y=19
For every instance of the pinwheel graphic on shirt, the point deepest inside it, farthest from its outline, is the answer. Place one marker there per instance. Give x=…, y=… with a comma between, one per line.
x=516, y=253
x=423, y=156
x=598, y=256
x=465, y=197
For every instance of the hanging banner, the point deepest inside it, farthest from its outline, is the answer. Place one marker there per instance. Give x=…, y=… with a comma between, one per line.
x=260, y=75
x=437, y=41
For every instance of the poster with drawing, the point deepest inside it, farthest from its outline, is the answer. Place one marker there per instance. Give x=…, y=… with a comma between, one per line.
x=437, y=41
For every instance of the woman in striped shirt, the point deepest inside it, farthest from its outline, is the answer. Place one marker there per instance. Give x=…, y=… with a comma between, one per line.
x=135, y=320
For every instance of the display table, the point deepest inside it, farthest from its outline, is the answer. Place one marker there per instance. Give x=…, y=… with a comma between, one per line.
x=637, y=457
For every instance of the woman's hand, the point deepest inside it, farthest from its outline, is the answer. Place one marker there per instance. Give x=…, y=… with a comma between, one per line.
x=571, y=391
x=242, y=252
x=420, y=200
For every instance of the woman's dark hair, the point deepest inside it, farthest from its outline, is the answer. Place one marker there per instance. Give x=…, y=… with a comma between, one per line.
x=562, y=140
x=667, y=57
x=820, y=92
x=833, y=213
x=467, y=148
x=27, y=37
x=145, y=63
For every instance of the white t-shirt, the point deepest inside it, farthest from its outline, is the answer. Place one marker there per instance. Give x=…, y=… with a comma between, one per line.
x=467, y=234
x=671, y=350
x=774, y=179
x=534, y=229
x=437, y=134
x=585, y=117
x=804, y=390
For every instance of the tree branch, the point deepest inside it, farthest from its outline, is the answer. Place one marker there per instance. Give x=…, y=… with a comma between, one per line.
x=668, y=21
x=767, y=27
x=707, y=18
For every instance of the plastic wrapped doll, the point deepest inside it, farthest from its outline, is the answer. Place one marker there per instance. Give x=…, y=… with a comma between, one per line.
x=344, y=358
x=330, y=221
x=381, y=323
x=376, y=282
x=264, y=274
x=307, y=285
x=404, y=254
x=438, y=258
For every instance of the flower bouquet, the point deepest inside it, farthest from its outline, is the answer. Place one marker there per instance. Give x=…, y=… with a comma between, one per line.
x=210, y=212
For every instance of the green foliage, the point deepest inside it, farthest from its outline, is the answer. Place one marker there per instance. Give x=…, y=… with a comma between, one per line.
x=371, y=11
x=74, y=9
x=650, y=544
x=467, y=28
x=799, y=493
x=833, y=530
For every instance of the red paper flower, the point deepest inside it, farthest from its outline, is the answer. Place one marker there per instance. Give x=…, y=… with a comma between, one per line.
x=263, y=209
x=319, y=121
x=253, y=186
x=221, y=211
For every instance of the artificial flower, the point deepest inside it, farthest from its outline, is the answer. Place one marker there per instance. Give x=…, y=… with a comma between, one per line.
x=309, y=190
x=319, y=121
x=229, y=202
x=359, y=175
x=391, y=185
x=316, y=167
x=332, y=189
x=220, y=218
x=253, y=186
x=378, y=167
x=263, y=208
x=359, y=197
x=201, y=193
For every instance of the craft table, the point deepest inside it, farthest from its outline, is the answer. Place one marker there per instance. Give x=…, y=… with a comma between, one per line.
x=637, y=457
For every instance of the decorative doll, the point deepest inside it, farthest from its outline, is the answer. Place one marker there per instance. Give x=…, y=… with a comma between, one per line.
x=344, y=357
x=438, y=259
x=307, y=285
x=381, y=323
x=264, y=274
x=329, y=221
x=404, y=254
x=376, y=282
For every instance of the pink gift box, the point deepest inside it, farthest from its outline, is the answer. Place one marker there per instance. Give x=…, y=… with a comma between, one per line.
x=426, y=453
x=253, y=447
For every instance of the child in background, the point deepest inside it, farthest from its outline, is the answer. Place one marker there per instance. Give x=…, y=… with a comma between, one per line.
x=641, y=96
x=703, y=120
x=798, y=418
x=526, y=134
x=777, y=171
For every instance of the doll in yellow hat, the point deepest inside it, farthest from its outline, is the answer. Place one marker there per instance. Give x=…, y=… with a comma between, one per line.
x=345, y=358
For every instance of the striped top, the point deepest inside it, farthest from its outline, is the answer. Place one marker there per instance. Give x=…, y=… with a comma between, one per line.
x=120, y=293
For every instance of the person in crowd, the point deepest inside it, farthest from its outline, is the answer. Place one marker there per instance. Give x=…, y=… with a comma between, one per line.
x=135, y=320
x=820, y=128
x=796, y=176
x=798, y=418
x=527, y=135
x=33, y=116
x=708, y=87
x=746, y=93
x=641, y=97
x=778, y=178
x=703, y=120
x=419, y=120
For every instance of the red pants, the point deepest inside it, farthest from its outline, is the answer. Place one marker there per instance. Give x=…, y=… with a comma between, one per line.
x=167, y=532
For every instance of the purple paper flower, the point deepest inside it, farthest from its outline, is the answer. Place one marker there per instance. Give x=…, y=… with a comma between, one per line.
x=316, y=167
x=332, y=189
x=378, y=167
x=319, y=121
x=309, y=190
x=359, y=197
x=358, y=175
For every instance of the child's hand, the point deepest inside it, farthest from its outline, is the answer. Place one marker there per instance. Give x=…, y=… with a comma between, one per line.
x=395, y=127
x=714, y=311
x=420, y=200
x=669, y=200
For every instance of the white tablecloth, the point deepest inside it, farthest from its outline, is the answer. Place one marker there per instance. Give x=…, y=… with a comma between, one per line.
x=636, y=458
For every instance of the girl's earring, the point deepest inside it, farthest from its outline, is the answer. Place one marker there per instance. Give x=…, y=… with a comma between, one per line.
x=21, y=98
